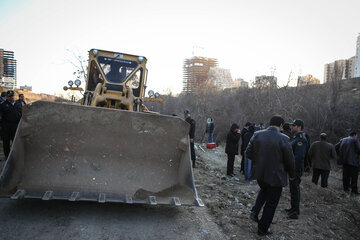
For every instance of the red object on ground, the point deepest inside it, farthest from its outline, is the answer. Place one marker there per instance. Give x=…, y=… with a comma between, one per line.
x=211, y=145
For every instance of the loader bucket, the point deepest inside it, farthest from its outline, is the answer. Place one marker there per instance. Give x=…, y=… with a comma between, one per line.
x=82, y=153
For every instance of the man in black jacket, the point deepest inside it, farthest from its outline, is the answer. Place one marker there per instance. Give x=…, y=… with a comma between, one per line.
x=10, y=118
x=20, y=103
x=272, y=160
x=349, y=151
x=247, y=162
x=243, y=147
x=321, y=153
x=232, y=148
x=191, y=121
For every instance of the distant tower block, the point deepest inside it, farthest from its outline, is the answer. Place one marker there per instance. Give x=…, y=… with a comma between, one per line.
x=196, y=70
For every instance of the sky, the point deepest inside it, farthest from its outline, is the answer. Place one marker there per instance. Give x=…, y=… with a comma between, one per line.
x=257, y=37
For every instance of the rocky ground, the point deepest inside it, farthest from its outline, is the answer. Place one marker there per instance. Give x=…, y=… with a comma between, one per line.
x=325, y=213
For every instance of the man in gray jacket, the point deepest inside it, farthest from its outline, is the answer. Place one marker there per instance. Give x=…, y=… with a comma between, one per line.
x=321, y=153
x=272, y=160
x=349, y=151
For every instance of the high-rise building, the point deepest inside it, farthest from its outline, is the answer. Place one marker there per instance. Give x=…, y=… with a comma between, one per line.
x=196, y=70
x=343, y=69
x=7, y=69
x=220, y=78
x=357, y=58
x=349, y=68
x=240, y=83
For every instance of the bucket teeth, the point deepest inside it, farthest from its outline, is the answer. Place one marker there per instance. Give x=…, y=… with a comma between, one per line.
x=129, y=199
x=199, y=202
x=102, y=198
x=20, y=193
x=176, y=201
x=48, y=195
x=152, y=200
x=74, y=196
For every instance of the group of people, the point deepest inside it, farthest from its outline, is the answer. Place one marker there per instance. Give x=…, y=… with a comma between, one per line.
x=283, y=150
x=10, y=112
x=269, y=156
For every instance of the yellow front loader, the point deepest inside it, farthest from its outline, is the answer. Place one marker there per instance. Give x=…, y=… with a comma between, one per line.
x=109, y=149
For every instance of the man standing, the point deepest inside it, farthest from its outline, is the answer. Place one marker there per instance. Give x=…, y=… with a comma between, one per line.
x=210, y=126
x=320, y=154
x=232, y=148
x=287, y=130
x=349, y=151
x=3, y=97
x=247, y=162
x=191, y=121
x=10, y=118
x=242, y=150
x=272, y=160
x=20, y=102
x=299, y=146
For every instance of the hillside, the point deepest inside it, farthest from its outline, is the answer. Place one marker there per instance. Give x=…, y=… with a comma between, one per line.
x=33, y=97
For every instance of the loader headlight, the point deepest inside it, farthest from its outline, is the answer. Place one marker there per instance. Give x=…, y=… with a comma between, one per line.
x=77, y=82
x=70, y=83
x=157, y=95
x=151, y=93
x=141, y=58
x=95, y=52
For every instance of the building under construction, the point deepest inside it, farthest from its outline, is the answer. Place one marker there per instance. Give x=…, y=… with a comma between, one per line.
x=196, y=70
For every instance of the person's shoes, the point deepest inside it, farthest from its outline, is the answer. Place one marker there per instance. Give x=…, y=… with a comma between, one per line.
x=261, y=233
x=288, y=210
x=355, y=193
x=254, y=217
x=291, y=210
x=293, y=215
x=231, y=175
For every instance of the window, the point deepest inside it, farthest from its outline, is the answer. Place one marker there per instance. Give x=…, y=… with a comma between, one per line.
x=94, y=77
x=116, y=70
x=135, y=82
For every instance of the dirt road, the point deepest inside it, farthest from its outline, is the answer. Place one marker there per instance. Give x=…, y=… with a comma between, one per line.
x=36, y=219
x=325, y=213
x=62, y=220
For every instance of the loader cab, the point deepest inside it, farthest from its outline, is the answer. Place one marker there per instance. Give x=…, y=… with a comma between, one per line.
x=115, y=79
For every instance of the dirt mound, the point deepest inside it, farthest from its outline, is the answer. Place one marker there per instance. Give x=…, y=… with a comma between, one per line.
x=33, y=97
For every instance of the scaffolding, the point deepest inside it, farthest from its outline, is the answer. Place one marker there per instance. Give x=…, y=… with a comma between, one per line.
x=196, y=70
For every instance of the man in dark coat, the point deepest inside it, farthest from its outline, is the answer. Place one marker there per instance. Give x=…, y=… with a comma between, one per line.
x=191, y=121
x=10, y=118
x=232, y=148
x=247, y=162
x=349, y=151
x=20, y=102
x=287, y=130
x=273, y=160
x=307, y=160
x=243, y=131
x=3, y=97
x=321, y=153
x=299, y=146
